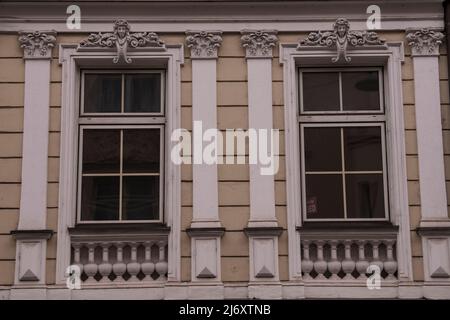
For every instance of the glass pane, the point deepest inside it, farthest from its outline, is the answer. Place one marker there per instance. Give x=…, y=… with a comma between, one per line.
x=365, y=196
x=100, y=198
x=101, y=151
x=324, y=197
x=321, y=91
x=360, y=90
x=140, y=198
x=323, y=149
x=362, y=149
x=102, y=92
x=141, y=150
x=143, y=92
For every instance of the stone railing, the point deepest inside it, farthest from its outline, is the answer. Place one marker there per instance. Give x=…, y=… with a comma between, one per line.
x=346, y=255
x=118, y=257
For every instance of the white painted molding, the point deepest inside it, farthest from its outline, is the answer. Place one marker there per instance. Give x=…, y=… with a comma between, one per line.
x=30, y=253
x=203, y=44
x=424, y=42
x=37, y=44
x=72, y=60
x=260, y=115
x=391, y=58
x=205, y=204
x=433, y=197
x=169, y=16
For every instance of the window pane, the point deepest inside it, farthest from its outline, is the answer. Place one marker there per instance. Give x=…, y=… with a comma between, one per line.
x=362, y=149
x=140, y=198
x=360, y=90
x=143, y=92
x=321, y=91
x=324, y=196
x=141, y=150
x=365, y=195
x=100, y=198
x=102, y=92
x=323, y=149
x=101, y=151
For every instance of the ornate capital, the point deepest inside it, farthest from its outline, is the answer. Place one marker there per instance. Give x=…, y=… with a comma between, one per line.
x=203, y=44
x=259, y=44
x=424, y=42
x=122, y=39
x=342, y=37
x=37, y=44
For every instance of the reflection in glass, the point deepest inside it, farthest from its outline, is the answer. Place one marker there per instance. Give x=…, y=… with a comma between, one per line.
x=324, y=196
x=141, y=150
x=322, y=149
x=362, y=149
x=140, y=198
x=143, y=92
x=100, y=198
x=365, y=196
x=360, y=90
x=101, y=151
x=102, y=93
x=320, y=91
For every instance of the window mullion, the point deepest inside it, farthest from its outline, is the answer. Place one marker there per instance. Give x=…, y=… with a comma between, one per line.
x=341, y=107
x=344, y=193
x=120, y=175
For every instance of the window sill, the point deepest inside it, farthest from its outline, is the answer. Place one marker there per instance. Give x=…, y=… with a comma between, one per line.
x=122, y=229
x=348, y=227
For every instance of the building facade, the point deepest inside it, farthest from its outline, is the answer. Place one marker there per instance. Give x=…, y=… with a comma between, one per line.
x=224, y=150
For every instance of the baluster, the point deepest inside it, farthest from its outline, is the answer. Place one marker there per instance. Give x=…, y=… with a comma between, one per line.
x=133, y=267
x=320, y=265
x=91, y=268
x=148, y=267
x=362, y=263
x=161, y=266
x=348, y=265
x=390, y=266
x=334, y=266
x=119, y=267
x=77, y=256
x=307, y=264
x=376, y=255
x=105, y=267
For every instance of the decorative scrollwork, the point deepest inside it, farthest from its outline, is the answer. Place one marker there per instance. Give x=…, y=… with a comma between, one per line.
x=342, y=37
x=37, y=44
x=258, y=43
x=204, y=44
x=122, y=39
x=424, y=42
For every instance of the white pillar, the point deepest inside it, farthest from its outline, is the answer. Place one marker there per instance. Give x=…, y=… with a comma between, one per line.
x=205, y=230
x=435, y=224
x=31, y=234
x=262, y=229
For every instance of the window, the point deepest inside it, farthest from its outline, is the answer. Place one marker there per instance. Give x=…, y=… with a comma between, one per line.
x=342, y=136
x=121, y=146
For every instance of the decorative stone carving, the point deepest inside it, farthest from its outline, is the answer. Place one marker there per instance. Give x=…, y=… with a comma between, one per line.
x=37, y=44
x=203, y=44
x=122, y=39
x=259, y=44
x=341, y=37
x=424, y=42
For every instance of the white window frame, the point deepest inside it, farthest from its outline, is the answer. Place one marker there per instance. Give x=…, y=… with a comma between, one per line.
x=122, y=113
x=390, y=57
x=73, y=61
x=341, y=70
x=384, y=165
x=160, y=174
